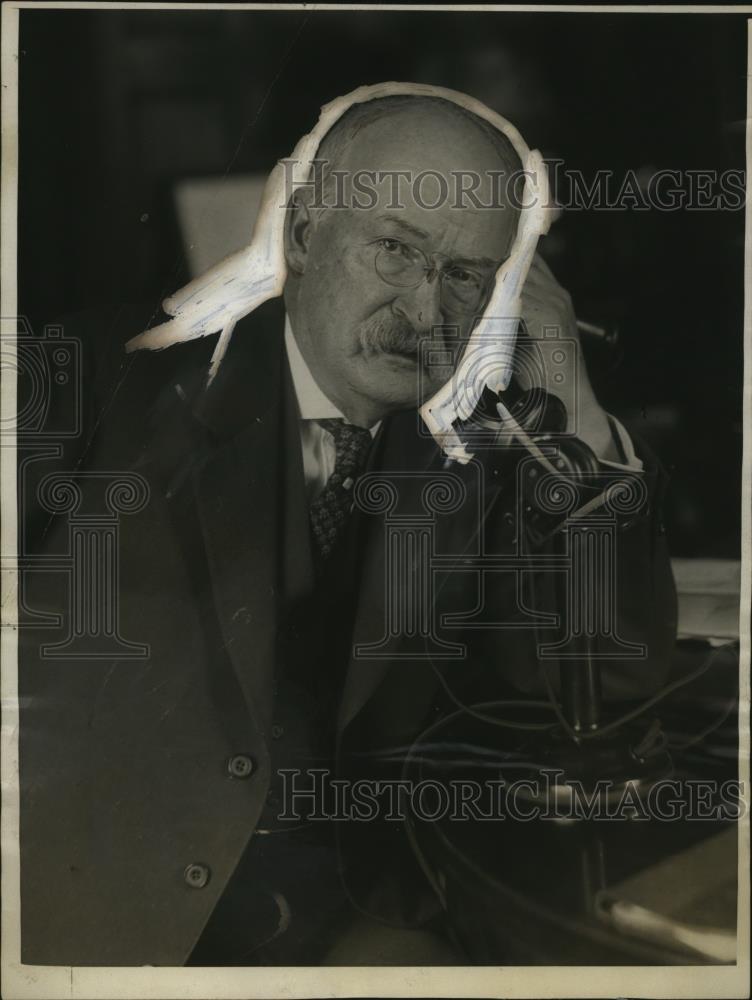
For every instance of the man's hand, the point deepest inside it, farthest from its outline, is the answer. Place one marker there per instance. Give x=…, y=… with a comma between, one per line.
x=546, y=305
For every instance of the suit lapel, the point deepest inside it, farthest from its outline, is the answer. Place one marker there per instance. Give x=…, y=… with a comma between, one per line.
x=401, y=451
x=237, y=490
x=249, y=500
x=406, y=451
x=297, y=560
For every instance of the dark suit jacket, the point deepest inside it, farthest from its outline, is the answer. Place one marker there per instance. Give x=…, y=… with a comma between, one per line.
x=124, y=779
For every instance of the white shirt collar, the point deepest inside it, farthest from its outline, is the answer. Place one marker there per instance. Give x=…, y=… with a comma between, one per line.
x=312, y=403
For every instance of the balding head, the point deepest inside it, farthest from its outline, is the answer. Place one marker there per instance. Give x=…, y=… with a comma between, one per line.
x=416, y=219
x=422, y=117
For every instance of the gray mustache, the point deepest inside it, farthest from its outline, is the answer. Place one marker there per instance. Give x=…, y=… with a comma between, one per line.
x=388, y=334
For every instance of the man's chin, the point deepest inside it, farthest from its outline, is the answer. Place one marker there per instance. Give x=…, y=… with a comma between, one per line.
x=424, y=382
x=400, y=381
x=404, y=361
x=406, y=365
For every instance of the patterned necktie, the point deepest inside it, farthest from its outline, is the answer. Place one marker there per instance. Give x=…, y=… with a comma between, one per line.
x=330, y=509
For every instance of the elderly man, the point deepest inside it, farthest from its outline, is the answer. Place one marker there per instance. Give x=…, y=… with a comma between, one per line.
x=154, y=823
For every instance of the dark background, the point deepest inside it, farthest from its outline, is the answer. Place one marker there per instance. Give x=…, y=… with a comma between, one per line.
x=115, y=107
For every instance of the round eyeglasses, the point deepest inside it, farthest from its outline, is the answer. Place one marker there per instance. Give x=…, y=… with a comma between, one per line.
x=399, y=264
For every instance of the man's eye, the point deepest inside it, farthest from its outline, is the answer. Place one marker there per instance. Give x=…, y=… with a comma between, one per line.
x=396, y=247
x=462, y=277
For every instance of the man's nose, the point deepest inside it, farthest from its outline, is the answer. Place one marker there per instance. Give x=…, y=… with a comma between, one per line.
x=421, y=305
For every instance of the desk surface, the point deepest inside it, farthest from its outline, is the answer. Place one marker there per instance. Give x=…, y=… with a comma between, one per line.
x=528, y=892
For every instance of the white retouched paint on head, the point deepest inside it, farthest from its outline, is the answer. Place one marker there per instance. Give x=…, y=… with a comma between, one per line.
x=214, y=302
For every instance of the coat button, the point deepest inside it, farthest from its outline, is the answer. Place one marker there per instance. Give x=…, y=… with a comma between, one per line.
x=197, y=876
x=240, y=765
x=277, y=732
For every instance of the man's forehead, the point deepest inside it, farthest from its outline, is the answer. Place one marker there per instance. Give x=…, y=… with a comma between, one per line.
x=442, y=175
x=422, y=139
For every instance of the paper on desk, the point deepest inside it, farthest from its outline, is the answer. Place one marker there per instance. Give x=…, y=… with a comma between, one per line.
x=629, y=918
x=687, y=901
x=708, y=592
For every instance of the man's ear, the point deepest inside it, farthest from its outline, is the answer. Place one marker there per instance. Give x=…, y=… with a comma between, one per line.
x=298, y=231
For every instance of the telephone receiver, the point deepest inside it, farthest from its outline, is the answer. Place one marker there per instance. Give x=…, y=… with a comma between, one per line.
x=521, y=422
x=487, y=361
